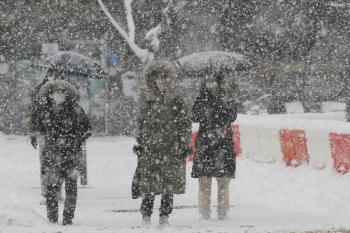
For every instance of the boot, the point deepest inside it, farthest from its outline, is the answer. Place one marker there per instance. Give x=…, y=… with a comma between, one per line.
x=222, y=215
x=205, y=216
x=146, y=220
x=67, y=222
x=164, y=220
x=53, y=220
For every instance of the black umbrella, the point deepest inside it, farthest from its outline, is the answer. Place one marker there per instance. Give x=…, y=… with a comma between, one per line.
x=75, y=63
x=202, y=62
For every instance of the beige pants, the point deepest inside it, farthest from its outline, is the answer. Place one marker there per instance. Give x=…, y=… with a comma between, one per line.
x=205, y=193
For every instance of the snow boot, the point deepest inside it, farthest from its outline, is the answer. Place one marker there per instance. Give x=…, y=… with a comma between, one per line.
x=67, y=222
x=205, y=216
x=53, y=220
x=221, y=216
x=146, y=220
x=164, y=220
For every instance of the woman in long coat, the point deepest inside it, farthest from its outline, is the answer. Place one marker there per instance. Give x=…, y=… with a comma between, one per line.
x=215, y=156
x=164, y=136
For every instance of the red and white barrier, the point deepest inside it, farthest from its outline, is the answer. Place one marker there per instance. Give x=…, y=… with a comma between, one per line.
x=317, y=143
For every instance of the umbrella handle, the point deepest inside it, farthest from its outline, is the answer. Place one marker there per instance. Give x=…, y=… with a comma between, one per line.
x=178, y=65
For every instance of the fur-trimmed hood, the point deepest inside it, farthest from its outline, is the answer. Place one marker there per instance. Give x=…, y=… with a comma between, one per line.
x=59, y=86
x=161, y=68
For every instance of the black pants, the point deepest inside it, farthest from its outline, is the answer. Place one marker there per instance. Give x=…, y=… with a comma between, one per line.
x=166, y=205
x=69, y=204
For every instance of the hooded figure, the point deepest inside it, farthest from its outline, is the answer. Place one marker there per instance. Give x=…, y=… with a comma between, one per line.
x=64, y=127
x=214, y=156
x=164, y=135
x=33, y=124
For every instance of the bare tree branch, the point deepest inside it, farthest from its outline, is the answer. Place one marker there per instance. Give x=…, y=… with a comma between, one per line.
x=143, y=54
x=130, y=19
x=152, y=37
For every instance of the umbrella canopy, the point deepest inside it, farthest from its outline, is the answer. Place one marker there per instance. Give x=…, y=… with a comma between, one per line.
x=202, y=62
x=76, y=64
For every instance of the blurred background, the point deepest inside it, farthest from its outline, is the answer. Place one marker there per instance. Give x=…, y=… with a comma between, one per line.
x=299, y=50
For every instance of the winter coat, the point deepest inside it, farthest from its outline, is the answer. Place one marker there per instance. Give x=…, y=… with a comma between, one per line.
x=214, y=156
x=164, y=128
x=64, y=127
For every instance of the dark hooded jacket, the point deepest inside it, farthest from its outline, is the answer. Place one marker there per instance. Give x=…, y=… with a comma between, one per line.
x=64, y=127
x=164, y=128
x=214, y=156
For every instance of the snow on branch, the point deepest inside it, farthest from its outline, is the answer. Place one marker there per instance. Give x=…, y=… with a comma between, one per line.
x=130, y=19
x=143, y=54
x=152, y=37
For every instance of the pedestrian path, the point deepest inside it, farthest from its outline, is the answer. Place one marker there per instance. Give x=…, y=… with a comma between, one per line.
x=264, y=197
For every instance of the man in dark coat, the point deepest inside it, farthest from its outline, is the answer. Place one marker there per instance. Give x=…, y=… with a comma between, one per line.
x=34, y=110
x=215, y=156
x=164, y=137
x=33, y=125
x=64, y=127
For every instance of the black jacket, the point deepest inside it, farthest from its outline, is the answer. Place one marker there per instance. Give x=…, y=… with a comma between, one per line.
x=65, y=127
x=214, y=156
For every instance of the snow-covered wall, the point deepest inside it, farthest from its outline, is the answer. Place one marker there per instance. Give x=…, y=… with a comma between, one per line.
x=318, y=143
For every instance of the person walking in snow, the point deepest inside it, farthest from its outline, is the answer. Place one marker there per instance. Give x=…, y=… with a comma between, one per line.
x=36, y=139
x=214, y=156
x=64, y=127
x=164, y=135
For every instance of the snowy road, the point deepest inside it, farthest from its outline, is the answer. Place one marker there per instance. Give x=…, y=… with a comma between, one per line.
x=265, y=197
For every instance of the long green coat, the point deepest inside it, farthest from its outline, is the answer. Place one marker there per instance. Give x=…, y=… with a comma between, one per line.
x=164, y=128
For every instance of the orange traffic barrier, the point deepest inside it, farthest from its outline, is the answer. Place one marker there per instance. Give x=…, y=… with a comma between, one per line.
x=340, y=149
x=236, y=137
x=293, y=146
x=193, y=145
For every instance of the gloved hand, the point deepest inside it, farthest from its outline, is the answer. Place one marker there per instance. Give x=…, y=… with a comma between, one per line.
x=184, y=152
x=223, y=132
x=74, y=173
x=34, y=141
x=137, y=149
x=83, y=139
x=86, y=136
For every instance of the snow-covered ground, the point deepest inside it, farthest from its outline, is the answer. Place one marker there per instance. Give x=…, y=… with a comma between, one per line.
x=265, y=197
